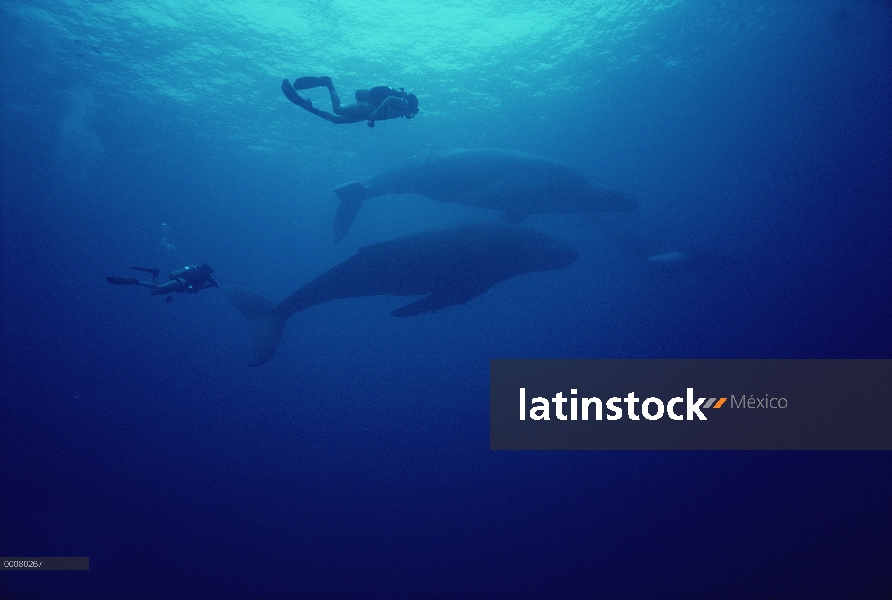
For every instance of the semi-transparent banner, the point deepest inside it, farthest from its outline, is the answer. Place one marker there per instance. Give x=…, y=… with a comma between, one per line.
x=762, y=404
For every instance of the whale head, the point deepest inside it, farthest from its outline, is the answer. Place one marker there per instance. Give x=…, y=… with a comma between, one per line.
x=554, y=254
x=532, y=251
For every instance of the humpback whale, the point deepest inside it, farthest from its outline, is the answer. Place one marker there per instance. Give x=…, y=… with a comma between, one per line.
x=514, y=182
x=449, y=267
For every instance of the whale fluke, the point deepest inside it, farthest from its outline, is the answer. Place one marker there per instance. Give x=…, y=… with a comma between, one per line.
x=266, y=324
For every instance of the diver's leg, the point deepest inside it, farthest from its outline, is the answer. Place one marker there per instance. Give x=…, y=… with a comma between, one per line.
x=336, y=119
x=150, y=284
x=171, y=286
x=351, y=113
x=308, y=106
x=154, y=272
x=335, y=101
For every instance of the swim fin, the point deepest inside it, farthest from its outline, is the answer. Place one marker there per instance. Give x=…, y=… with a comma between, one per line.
x=305, y=83
x=292, y=95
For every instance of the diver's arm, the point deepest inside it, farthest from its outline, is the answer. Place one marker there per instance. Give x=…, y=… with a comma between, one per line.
x=391, y=108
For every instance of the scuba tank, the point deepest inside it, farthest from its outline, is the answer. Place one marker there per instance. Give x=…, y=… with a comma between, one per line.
x=186, y=273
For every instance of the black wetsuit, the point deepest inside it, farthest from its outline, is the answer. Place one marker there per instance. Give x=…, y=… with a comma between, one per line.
x=191, y=278
x=377, y=104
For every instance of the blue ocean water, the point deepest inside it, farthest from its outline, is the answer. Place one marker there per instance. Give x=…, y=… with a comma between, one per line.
x=356, y=463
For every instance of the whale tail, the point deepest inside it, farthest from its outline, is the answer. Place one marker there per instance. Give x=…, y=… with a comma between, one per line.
x=351, y=195
x=267, y=325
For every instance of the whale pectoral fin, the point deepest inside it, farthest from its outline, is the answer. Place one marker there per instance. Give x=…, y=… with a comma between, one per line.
x=437, y=301
x=493, y=195
x=344, y=216
x=352, y=190
x=351, y=195
x=508, y=195
x=429, y=303
x=514, y=217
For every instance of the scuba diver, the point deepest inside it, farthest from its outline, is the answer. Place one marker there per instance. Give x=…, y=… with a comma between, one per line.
x=191, y=278
x=376, y=104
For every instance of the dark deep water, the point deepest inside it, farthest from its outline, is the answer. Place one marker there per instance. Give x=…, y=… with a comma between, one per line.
x=356, y=463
